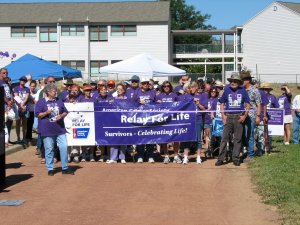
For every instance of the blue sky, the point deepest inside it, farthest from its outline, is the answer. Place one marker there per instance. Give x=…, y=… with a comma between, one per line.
x=224, y=13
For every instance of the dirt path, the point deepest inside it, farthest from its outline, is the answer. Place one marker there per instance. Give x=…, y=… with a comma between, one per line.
x=131, y=194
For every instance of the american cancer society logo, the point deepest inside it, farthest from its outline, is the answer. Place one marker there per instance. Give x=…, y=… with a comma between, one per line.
x=79, y=133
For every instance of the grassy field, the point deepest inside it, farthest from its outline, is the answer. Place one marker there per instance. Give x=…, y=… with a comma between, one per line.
x=277, y=180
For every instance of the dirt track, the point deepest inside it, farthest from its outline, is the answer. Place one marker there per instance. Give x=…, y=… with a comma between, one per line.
x=131, y=194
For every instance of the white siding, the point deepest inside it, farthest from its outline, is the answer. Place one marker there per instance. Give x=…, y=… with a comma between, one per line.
x=152, y=39
x=271, y=41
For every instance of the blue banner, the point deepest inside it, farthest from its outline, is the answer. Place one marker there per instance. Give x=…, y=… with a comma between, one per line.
x=123, y=123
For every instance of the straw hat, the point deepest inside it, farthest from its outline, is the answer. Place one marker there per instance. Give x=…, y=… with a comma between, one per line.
x=235, y=76
x=219, y=83
x=266, y=86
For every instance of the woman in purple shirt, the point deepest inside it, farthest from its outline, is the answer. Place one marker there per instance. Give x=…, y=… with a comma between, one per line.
x=118, y=151
x=51, y=113
x=21, y=95
x=167, y=95
x=284, y=102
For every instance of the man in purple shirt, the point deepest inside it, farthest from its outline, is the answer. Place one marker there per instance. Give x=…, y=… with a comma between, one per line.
x=234, y=109
x=184, y=81
x=131, y=91
x=51, y=113
x=145, y=95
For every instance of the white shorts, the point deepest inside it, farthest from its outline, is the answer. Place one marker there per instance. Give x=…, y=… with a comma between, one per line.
x=288, y=119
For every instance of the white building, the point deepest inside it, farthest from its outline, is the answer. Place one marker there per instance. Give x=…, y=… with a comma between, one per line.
x=271, y=43
x=85, y=35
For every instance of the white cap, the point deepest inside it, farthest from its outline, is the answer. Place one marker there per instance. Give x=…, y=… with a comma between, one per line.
x=145, y=79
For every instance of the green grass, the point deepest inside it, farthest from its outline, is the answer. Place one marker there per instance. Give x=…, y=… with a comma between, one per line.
x=277, y=180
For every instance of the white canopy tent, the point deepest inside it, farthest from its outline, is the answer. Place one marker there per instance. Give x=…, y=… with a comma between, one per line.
x=143, y=65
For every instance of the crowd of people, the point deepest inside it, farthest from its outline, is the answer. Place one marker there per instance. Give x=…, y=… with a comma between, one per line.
x=242, y=105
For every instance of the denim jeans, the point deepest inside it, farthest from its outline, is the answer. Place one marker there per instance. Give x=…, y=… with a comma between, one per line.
x=199, y=129
x=117, y=152
x=249, y=126
x=141, y=151
x=49, y=143
x=296, y=128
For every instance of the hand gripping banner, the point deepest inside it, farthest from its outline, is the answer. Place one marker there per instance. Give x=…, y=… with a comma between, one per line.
x=123, y=123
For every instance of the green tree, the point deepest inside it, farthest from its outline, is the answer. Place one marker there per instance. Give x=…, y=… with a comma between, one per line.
x=186, y=17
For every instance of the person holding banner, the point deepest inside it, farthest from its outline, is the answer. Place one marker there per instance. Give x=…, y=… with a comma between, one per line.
x=51, y=113
x=118, y=151
x=102, y=96
x=296, y=112
x=235, y=104
x=183, y=82
x=167, y=95
x=75, y=94
x=134, y=86
x=201, y=102
x=284, y=102
x=145, y=95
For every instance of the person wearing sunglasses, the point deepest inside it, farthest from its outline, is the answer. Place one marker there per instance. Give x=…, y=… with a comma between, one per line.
x=134, y=86
x=167, y=95
x=145, y=95
x=235, y=104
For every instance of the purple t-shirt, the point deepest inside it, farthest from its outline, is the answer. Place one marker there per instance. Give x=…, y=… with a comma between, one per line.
x=284, y=102
x=178, y=88
x=203, y=100
x=22, y=93
x=77, y=99
x=272, y=101
x=106, y=98
x=7, y=89
x=170, y=97
x=64, y=95
x=147, y=96
x=216, y=106
x=131, y=93
x=264, y=102
x=235, y=100
x=48, y=126
x=94, y=92
x=210, y=103
x=84, y=99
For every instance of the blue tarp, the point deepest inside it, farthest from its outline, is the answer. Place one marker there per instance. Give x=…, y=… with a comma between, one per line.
x=39, y=68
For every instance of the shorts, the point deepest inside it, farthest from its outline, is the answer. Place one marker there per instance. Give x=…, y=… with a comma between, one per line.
x=288, y=119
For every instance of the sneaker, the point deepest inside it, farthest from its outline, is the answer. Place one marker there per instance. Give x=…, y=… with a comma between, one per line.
x=177, y=159
x=140, y=160
x=67, y=172
x=185, y=161
x=236, y=163
x=83, y=160
x=92, y=160
x=219, y=163
x=286, y=143
x=166, y=160
x=151, y=160
x=51, y=173
x=123, y=161
x=199, y=161
x=111, y=161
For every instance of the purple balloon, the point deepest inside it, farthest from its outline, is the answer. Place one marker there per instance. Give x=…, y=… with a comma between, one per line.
x=6, y=54
x=1, y=53
x=14, y=55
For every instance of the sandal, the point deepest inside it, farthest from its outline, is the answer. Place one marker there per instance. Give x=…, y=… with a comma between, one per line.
x=43, y=161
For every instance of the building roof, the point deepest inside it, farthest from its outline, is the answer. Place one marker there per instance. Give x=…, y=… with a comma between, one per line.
x=201, y=32
x=93, y=12
x=291, y=5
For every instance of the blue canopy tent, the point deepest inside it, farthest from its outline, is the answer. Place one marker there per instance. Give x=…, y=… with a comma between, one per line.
x=39, y=68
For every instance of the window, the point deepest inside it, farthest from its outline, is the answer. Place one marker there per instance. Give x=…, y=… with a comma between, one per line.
x=79, y=65
x=48, y=34
x=72, y=30
x=23, y=31
x=123, y=30
x=98, y=33
x=115, y=61
x=96, y=65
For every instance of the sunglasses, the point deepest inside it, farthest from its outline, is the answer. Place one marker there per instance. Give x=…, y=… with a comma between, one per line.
x=234, y=81
x=134, y=81
x=145, y=83
x=4, y=73
x=166, y=86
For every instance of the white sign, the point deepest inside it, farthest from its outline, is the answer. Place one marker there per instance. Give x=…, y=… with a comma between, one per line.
x=80, y=124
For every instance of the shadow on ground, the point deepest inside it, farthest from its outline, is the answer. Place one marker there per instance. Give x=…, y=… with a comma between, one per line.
x=15, y=165
x=14, y=179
